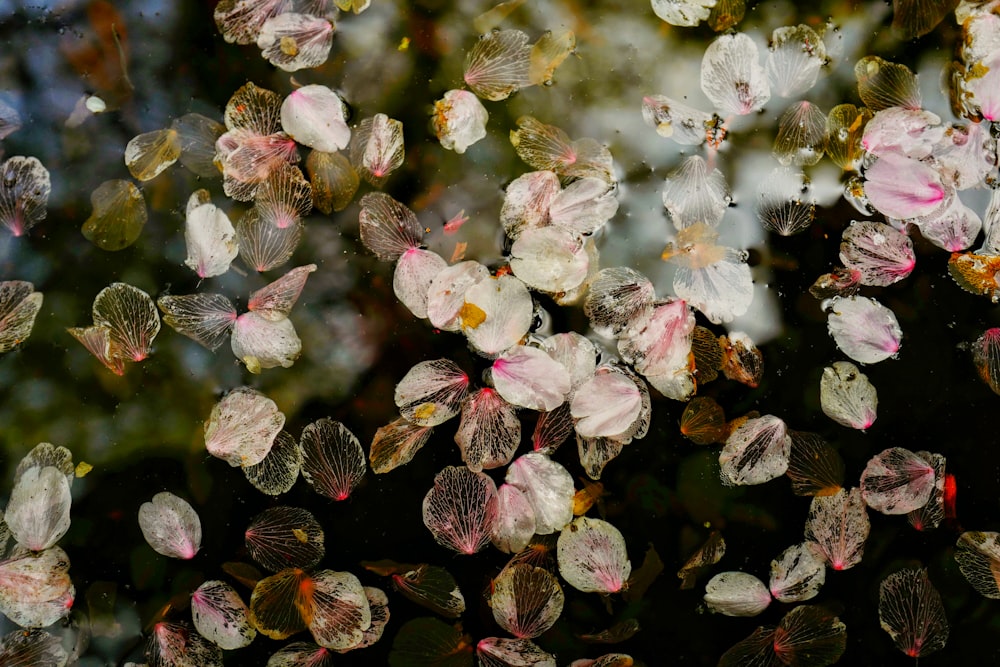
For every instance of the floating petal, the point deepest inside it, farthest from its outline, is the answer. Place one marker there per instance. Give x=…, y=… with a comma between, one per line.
x=736, y=594
x=388, y=228
x=171, y=526
x=24, y=193
x=131, y=318
x=847, y=397
x=332, y=459
x=497, y=314
x=459, y=120
x=279, y=470
x=37, y=513
x=592, y=556
x=910, y=610
x=204, y=318
x=489, y=432
x=242, y=427
x=797, y=574
x=883, y=84
x=148, y=154
x=795, y=56
x=498, y=65
x=264, y=246
x=118, y=217
x=978, y=556
x=881, y=254
x=864, y=329
x=282, y=537
x=396, y=443
x=333, y=179
x=210, y=238
x=313, y=115
x=692, y=194
x=292, y=41
x=461, y=509
x=220, y=616
x=548, y=487
x=530, y=378
x=801, y=138
x=839, y=526
x=377, y=148
x=732, y=77
x=19, y=305
x=814, y=466
x=415, y=272
x=756, y=452
x=526, y=600
x=897, y=481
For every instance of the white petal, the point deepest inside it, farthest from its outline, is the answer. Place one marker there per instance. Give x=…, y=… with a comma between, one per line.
x=548, y=487
x=736, y=594
x=415, y=271
x=592, y=556
x=314, y=115
x=530, y=378
x=171, y=526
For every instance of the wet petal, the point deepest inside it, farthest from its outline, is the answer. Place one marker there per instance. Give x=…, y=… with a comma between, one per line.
x=210, y=238
x=551, y=49
x=732, y=77
x=953, y=227
x=171, y=526
x=118, y=217
x=910, y=610
x=264, y=246
x=333, y=179
x=459, y=120
x=617, y=297
x=177, y=644
x=592, y=556
x=32, y=649
x=131, y=318
x=19, y=305
x=548, y=487
x=498, y=65
x=313, y=115
x=204, y=318
x=814, y=466
x=38, y=510
x=24, y=193
x=276, y=299
x=431, y=587
x=411, y=282
x=242, y=427
x=197, y=135
x=785, y=203
x=847, y=397
x=722, y=291
x=388, y=228
x=801, y=138
x=546, y=147
x=526, y=600
x=515, y=522
x=504, y=652
x=611, y=405
x=708, y=554
x=692, y=194
x=897, y=481
x=292, y=41
x=260, y=341
x=497, y=314
x=527, y=200
x=332, y=459
x=489, y=432
x=675, y=120
x=97, y=340
x=432, y=392
x=279, y=470
x=756, y=452
x=685, y=13
x=339, y=612
x=530, y=378
x=839, y=526
x=797, y=574
x=282, y=537
x=220, y=616
x=280, y=605
x=284, y=197
x=881, y=254
x=703, y=421
x=240, y=20
x=844, y=128
x=297, y=654
x=446, y=293
x=552, y=429
x=883, y=84
x=148, y=154
x=978, y=556
x=429, y=641
x=377, y=148
x=736, y=594
x=795, y=56
x=549, y=259
x=864, y=329
x=584, y=206
x=395, y=444
x=461, y=509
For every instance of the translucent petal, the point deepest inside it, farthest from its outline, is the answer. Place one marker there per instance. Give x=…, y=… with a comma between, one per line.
x=242, y=427
x=19, y=305
x=809, y=635
x=298, y=654
x=953, y=227
x=708, y=354
x=332, y=459
x=722, y=291
x=551, y=49
x=38, y=510
x=847, y=397
x=596, y=453
x=936, y=509
x=240, y=21
x=280, y=604
x=264, y=246
x=897, y=481
x=46, y=454
x=148, y=154
x=692, y=194
x=732, y=77
x=489, y=432
x=584, y=206
x=976, y=273
x=276, y=299
x=429, y=641
x=378, y=605
x=883, y=84
x=552, y=429
x=592, y=556
x=431, y=587
x=197, y=135
x=32, y=649
x=910, y=610
x=549, y=259
x=548, y=487
x=260, y=341
x=658, y=346
x=736, y=594
x=131, y=318
x=97, y=340
x=881, y=254
x=281, y=537
x=292, y=41
x=446, y=293
x=515, y=522
x=526, y=202
x=703, y=421
x=577, y=354
x=844, y=128
x=461, y=509
x=339, y=613
x=864, y=329
x=785, y=202
x=247, y=158
x=986, y=357
x=708, y=554
x=377, y=148
x=204, y=318
x=978, y=556
x=839, y=525
x=432, y=392
x=24, y=193
x=334, y=181
x=284, y=197
x=814, y=466
x=982, y=89
x=530, y=378
x=617, y=297
x=546, y=147
x=171, y=526
x=459, y=120
x=839, y=282
x=178, y=644
x=118, y=217
x=220, y=616
x=411, y=282
x=503, y=652
x=29, y=577
x=915, y=18
x=10, y=120
x=610, y=405
x=675, y=120
x=742, y=360
x=498, y=65
x=526, y=600
x=685, y=13
x=797, y=574
x=211, y=240
x=497, y=314
x=801, y=138
x=313, y=115
x=396, y=443
x=388, y=228
x=279, y=470
x=913, y=133
x=756, y=452
x=795, y=56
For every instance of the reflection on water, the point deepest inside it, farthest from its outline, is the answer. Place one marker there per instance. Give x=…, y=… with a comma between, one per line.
x=696, y=162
